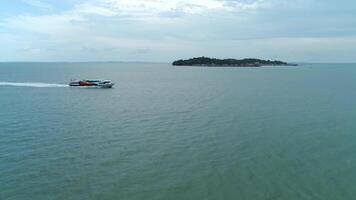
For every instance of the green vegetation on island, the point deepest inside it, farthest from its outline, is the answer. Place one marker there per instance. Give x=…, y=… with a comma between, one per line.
x=214, y=62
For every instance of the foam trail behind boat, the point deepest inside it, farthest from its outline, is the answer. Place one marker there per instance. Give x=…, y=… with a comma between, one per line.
x=32, y=84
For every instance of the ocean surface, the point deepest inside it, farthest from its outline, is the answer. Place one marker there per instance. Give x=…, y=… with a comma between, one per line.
x=178, y=133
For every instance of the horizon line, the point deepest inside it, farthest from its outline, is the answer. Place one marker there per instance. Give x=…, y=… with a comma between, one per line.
x=166, y=62
x=153, y=62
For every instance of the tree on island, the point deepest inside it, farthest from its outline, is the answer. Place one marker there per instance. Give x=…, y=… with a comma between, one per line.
x=247, y=62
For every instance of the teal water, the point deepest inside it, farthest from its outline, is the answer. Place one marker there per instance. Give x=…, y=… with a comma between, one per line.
x=178, y=132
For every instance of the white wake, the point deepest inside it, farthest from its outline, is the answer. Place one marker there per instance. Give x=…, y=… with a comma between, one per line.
x=32, y=84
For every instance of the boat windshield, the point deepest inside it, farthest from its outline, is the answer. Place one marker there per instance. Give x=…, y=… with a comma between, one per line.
x=92, y=81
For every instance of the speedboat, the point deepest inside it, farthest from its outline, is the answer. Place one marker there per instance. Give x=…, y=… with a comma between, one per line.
x=92, y=83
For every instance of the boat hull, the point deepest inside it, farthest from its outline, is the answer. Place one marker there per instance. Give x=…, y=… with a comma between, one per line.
x=109, y=85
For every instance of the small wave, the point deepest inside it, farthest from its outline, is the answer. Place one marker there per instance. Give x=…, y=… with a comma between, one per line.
x=32, y=84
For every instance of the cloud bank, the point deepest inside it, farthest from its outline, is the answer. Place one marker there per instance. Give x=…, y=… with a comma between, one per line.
x=163, y=30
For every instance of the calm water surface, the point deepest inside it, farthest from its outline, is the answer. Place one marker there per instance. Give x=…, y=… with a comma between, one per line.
x=178, y=132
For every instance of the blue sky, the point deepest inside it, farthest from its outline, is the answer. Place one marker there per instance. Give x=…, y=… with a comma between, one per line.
x=165, y=30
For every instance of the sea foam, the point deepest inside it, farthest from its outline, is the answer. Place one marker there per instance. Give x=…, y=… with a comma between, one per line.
x=32, y=84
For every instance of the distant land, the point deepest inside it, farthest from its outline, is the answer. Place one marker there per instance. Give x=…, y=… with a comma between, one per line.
x=214, y=62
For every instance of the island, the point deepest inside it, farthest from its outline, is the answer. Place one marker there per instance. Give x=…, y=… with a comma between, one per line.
x=214, y=62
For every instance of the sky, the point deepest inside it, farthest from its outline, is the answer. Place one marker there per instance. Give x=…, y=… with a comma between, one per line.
x=166, y=30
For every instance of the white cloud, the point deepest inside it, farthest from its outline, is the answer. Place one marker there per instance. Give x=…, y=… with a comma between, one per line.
x=59, y=24
x=38, y=4
x=91, y=9
x=144, y=10
x=154, y=8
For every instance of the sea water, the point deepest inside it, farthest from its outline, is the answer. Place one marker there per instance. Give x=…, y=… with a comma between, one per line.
x=167, y=132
